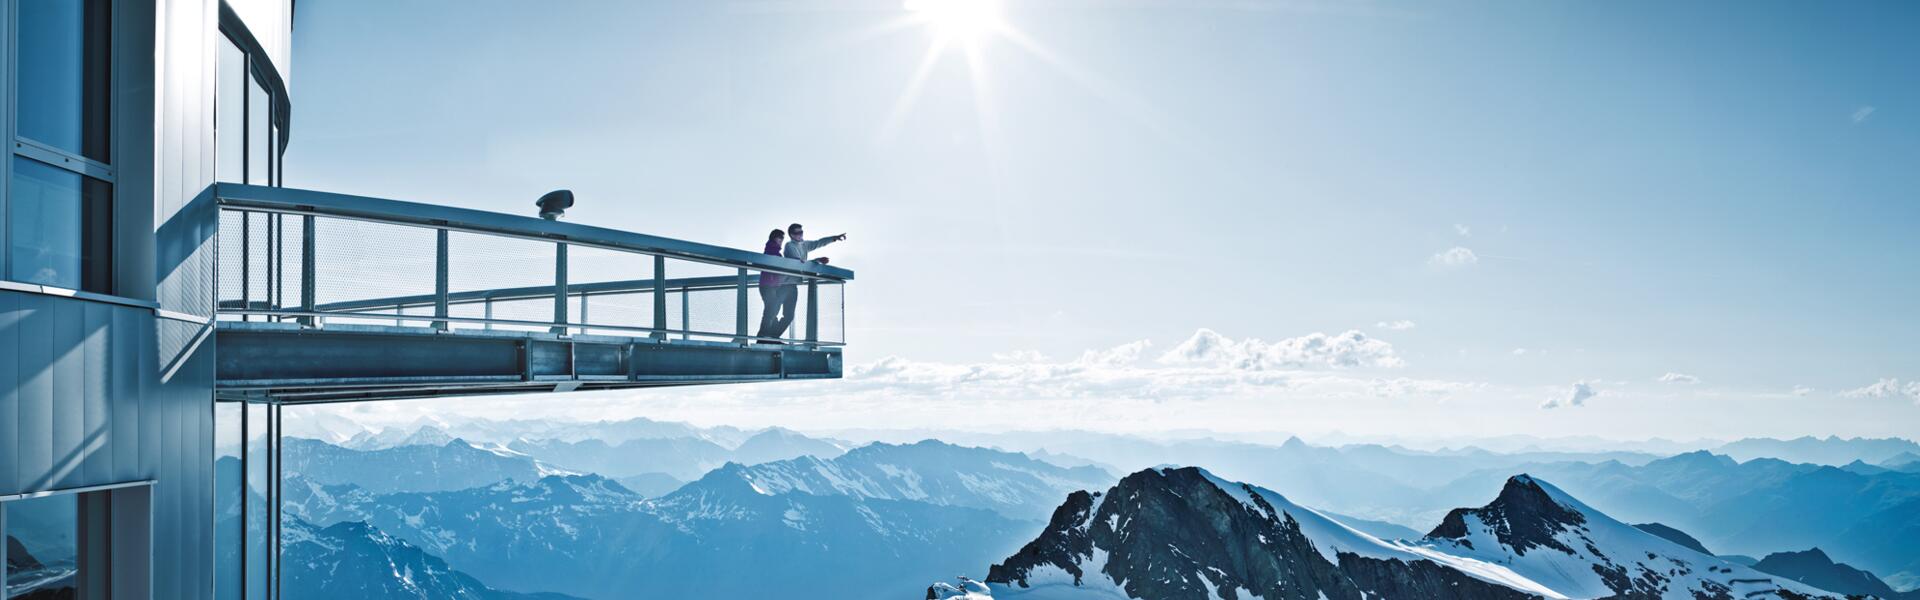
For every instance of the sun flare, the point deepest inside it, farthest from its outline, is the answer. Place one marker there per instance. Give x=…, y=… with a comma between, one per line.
x=964, y=21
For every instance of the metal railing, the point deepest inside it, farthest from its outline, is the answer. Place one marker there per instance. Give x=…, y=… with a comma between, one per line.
x=317, y=258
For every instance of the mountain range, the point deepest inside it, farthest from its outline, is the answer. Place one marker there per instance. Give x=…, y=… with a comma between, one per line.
x=1173, y=533
x=689, y=505
x=357, y=560
x=861, y=523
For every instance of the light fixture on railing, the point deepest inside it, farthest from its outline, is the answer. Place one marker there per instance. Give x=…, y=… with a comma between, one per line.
x=554, y=204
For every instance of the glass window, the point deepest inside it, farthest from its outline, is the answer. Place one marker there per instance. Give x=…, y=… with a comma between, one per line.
x=230, y=115
x=62, y=75
x=59, y=227
x=259, y=475
x=229, y=492
x=43, y=547
x=259, y=122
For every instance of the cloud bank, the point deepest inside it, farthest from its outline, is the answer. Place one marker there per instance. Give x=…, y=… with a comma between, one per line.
x=1352, y=349
x=1887, y=388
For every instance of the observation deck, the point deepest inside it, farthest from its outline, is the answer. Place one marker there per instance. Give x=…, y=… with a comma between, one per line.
x=328, y=297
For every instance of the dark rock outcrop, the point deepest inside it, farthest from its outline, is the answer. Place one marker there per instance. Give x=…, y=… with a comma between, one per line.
x=1813, y=567
x=1674, y=535
x=1524, y=517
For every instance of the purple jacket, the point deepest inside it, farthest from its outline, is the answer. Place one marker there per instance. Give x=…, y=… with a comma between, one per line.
x=771, y=279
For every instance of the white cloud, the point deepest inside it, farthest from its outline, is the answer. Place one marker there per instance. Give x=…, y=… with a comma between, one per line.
x=1345, y=350
x=1454, y=257
x=1576, y=395
x=1519, y=351
x=1400, y=325
x=1887, y=388
x=1020, y=356
x=1207, y=365
x=1862, y=114
x=1672, y=377
x=1801, y=390
x=1117, y=356
x=1463, y=230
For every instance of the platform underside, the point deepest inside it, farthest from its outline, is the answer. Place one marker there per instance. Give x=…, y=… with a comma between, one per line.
x=288, y=363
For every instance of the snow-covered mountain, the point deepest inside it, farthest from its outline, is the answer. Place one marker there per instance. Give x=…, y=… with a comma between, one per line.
x=1549, y=537
x=684, y=459
x=1184, y=533
x=356, y=560
x=450, y=465
x=781, y=444
x=852, y=529
x=929, y=471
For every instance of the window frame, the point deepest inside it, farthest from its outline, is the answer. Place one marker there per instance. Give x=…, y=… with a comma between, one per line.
x=55, y=157
x=104, y=515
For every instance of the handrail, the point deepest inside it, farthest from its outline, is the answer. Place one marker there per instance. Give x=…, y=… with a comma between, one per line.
x=311, y=202
x=267, y=248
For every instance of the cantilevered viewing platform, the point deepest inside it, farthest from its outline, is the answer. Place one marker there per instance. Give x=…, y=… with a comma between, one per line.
x=334, y=298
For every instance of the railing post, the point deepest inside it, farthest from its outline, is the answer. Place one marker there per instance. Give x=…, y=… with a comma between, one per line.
x=307, y=277
x=686, y=323
x=246, y=264
x=560, y=289
x=440, y=279
x=813, y=312
x=488, y=312
x=273, y=263
x=740, y=309
x=659, y=297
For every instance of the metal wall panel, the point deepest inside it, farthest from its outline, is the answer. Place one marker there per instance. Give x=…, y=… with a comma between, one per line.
x=10, y=317
x=97, y=436
x=69, y=393
x=36, y=392
x=123, y=393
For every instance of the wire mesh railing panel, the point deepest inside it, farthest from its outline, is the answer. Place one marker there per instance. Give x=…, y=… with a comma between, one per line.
x=833, y=312
x=288, y=270
x=489, y=262
x=538, y=310
x=363, y=261
x=259, y=257
x=586, y=265
x=232, y=260
x=709, y=311
x=632, y=309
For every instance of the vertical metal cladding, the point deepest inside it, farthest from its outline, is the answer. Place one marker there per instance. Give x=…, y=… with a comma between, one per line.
x=97, y=391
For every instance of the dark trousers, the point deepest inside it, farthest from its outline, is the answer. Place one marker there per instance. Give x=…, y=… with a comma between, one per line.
x=779, y=302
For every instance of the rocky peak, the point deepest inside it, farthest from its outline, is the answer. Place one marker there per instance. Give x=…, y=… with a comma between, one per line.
x=1525, y=516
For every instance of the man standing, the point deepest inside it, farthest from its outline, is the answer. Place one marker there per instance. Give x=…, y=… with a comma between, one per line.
x=797, y=248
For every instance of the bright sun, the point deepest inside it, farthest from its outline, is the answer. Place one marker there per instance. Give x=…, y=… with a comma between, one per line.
x=964, y=21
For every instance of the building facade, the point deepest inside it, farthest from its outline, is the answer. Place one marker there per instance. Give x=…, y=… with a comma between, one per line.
x=121, y=114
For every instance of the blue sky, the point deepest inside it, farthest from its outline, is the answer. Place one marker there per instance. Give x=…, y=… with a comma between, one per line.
x=1556, y=196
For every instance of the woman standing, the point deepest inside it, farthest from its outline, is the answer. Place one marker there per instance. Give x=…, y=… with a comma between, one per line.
x=773, y=293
